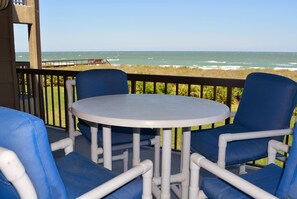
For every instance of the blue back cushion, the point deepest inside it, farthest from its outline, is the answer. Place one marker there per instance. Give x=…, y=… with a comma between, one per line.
x=288, y=184
x=99, y=82
x=26, y=135
x=267, y=102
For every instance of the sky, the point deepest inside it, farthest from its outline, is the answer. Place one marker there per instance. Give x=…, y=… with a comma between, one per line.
x=165, y=25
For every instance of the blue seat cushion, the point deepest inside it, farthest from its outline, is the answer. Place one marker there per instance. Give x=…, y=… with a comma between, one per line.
x=267, y=178
x=7, y=190
x=120, y=135
x=205, y=142
x=81, y=175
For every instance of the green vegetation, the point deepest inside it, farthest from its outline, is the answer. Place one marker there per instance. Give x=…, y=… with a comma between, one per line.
x=184, y=71
x=54, y=104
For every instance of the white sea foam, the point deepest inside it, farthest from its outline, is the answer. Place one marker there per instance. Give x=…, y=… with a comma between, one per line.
x=215, y=67
x=257, y=67
x=150, y=58
x=284, y=65
x=284, y=68
x=165, y=65
x=216, y=62
x=113, y=60
x=174, y=66
x=293, y=63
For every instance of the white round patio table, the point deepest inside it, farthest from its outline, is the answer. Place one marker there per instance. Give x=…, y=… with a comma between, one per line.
x=152, y=111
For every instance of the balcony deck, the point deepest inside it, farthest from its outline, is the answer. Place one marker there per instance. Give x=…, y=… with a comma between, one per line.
x=42, y=94
x=83, y=147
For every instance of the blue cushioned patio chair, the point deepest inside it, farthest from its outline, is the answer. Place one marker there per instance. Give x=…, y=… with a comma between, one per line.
x=268, y=182
x=28, y=169
x=99, y=82
x=267, y=103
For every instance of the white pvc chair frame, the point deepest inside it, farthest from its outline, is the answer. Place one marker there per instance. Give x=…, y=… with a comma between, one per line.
x=95, y=150
x=14, y=171
x=198, y=161
x=230, y=137
x=225, y=138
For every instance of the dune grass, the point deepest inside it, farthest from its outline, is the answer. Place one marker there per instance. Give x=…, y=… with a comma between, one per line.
x=186, y=71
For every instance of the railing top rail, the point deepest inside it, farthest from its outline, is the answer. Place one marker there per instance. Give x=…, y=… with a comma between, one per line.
x=67, y=60
x=47, y=72
x=150, y=78
x=187, y=80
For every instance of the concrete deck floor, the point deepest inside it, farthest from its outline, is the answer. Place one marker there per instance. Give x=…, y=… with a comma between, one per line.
x=83, y=147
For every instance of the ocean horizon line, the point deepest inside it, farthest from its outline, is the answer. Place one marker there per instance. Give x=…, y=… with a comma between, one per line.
x=195, y=59
x=231, y=51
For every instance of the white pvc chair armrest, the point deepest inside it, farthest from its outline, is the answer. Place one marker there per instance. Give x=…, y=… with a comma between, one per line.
x=66, y=144
x=69, y=89
x=144, y=168
x=229, y=137
x=198, y=161
x=14, y=171
x=275, y=146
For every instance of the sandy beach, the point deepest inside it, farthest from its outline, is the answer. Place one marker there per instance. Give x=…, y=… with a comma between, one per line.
x=186, y=71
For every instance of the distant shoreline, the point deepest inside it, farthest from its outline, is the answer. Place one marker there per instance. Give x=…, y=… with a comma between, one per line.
x=186, y=71
x=221, y=60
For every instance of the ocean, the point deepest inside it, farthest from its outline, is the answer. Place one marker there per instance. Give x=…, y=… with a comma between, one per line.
x=193, y=59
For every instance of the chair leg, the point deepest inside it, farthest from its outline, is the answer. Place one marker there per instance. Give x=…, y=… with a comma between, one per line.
x=125, y=160
x=94, y=145
x=201, y=195
x=157, y=155
x=242, y=169
x=124, y=157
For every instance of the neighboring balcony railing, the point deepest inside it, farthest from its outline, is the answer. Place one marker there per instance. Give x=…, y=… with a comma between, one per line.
x=20, y=2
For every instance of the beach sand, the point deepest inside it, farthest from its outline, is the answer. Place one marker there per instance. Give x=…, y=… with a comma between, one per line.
x=186, y=71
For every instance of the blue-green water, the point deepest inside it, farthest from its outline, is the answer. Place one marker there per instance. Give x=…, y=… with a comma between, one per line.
x=204, y=60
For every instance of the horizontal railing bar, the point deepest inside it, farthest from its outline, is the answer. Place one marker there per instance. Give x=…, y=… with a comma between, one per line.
x=49, y=113
x=187, y=80
x=150, y=78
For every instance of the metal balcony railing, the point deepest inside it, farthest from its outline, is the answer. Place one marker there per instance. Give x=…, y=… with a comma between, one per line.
x=43, y=92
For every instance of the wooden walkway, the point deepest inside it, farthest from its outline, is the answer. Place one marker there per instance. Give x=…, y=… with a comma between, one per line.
x=74, y=62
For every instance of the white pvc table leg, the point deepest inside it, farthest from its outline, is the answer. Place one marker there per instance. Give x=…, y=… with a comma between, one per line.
x=166, y=164
x=136, y=146
x=94, y=144
x=107, y=154
x=185, y=167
